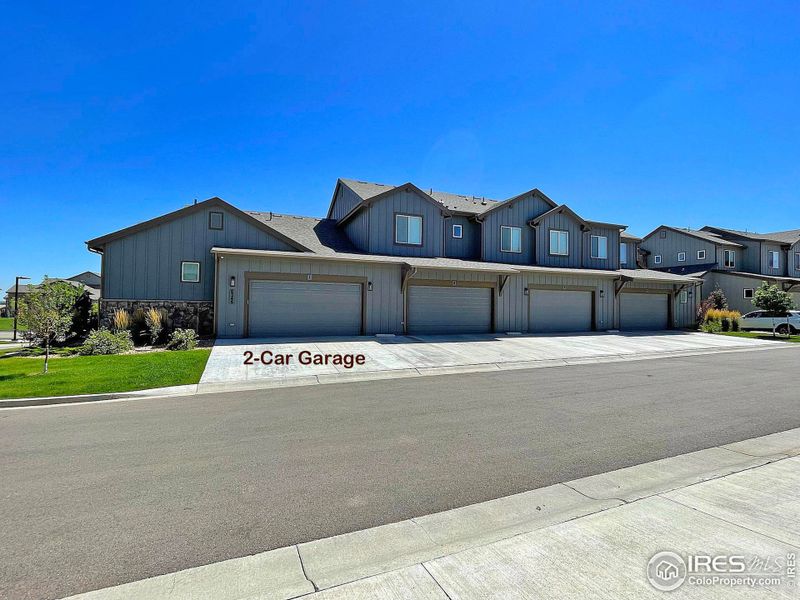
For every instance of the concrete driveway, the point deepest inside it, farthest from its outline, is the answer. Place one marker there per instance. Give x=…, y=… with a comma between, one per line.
x=433, y=355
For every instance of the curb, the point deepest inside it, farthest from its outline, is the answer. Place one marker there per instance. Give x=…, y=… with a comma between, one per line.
x=355, y=377
x=294, y=571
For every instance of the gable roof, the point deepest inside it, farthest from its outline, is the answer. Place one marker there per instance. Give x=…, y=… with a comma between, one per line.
x=560, y=210
x=98, y=243
x=536, y=192
x=706, y=236
x=375, y=192
x=779, y=237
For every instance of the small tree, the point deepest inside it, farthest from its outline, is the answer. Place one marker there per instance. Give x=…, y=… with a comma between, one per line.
x=47, y=313
x=718, y=299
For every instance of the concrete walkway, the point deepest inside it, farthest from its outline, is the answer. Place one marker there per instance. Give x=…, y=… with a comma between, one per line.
x=389, y=357
x=589, y=538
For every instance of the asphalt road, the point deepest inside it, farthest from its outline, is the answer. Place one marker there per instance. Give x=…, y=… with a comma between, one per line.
x=96, y=495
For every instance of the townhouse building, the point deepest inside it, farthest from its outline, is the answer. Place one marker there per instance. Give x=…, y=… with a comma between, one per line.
x=392, y=260
x=736, y=261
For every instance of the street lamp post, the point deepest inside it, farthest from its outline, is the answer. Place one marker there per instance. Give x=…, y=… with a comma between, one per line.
x=16, y=303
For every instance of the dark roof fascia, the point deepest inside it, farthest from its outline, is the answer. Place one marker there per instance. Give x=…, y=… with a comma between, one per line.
x=558, y=210
x=408, y=187
x=607, y=225
x=742, y=235
x=692, y=234
x=99, y=242
x=776, y=278
x=536, y=192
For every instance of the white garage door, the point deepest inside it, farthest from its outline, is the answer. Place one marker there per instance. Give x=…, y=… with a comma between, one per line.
x=304, y=309
x=557, y=310
x=643, y=311
x=449, y=310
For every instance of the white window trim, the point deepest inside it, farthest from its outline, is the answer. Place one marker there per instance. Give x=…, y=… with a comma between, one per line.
x=681, y=254
x=591, y=246
x=701, y=255
x=684, y=297
x=190, y=262
x=460, y=231
x=752, y=293
x=550, y=242
x=777, y=256
x=657, y=259
x=408, y=231
x=725, y=261
x=511, y=239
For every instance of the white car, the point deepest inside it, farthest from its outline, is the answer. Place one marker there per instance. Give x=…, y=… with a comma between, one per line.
x=761, y=319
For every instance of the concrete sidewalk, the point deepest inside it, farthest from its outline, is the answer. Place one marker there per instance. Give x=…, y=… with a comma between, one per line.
x=392, y=357
x=594, y=537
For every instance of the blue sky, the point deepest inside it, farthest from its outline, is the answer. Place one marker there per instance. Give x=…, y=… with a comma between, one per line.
x=112, y=113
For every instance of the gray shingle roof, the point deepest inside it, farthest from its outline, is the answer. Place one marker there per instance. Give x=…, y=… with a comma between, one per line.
x=650, y=275
x=321, y=236
x=700, y=234
x=787, y=237
x=629, y=236
x=781, y=237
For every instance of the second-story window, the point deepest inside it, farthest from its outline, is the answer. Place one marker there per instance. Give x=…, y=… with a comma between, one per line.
x=599, y=246
x=729, y=259
x=458, y=231
x=623, y=253
x=408, y=230
x=510, y=239
x=681, y=256
x=774, y=260
x=215, y=220
x=559, y=242
x=797, y=261
x=701, y=255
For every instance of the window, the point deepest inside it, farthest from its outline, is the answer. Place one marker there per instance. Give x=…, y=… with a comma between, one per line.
x=215, y=220
x=657, y=259
x=797, y=261
x=774, y=260
x=559, y=242
x=458, y=231
x=662, y=234
x=190, y=272
x=623, y=254
x=684, y=296
x=599, y=246
x=510, y=239
x=701, y=255
x=681, y=256
x=729, y=259
x=748, y=293
x=408, y=230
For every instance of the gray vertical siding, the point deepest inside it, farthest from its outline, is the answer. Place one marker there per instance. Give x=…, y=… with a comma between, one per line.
x=381, y=225
x=676, y=242
x=147, y=265
x=766, y=248
x=344, y=202
x=750, y=256
x=357, y=230
x=563, y=222
x=793, y=251
x=515, y=214
x=469, y=246
x=612, y=236
x=733, y=286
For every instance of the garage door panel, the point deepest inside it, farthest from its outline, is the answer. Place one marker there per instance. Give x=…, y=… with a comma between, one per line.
x=300, y=308
x=643, y=312
x=560, y=310
x=436, y=310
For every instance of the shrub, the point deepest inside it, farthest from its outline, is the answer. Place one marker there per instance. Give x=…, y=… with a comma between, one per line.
x=711, y=327
x=103, y=341
x=120, y=320
x=726, y=320
x=154, y=319
x=718, y=299
x=182, y=339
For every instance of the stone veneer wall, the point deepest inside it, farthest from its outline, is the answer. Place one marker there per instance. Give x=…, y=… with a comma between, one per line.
x=181, y=314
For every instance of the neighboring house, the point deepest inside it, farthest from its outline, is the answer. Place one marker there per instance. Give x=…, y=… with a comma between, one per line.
x=390, y=260
x=87, y=280
x=736, y=261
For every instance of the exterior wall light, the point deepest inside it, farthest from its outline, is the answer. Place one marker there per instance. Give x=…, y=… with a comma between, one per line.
x=233, y=281
x=369, y=286
x=526, y=291
x=602, y=293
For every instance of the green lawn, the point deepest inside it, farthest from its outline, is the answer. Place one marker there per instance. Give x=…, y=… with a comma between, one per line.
x=23, y=377
x=761, y=335
x=7, y=324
